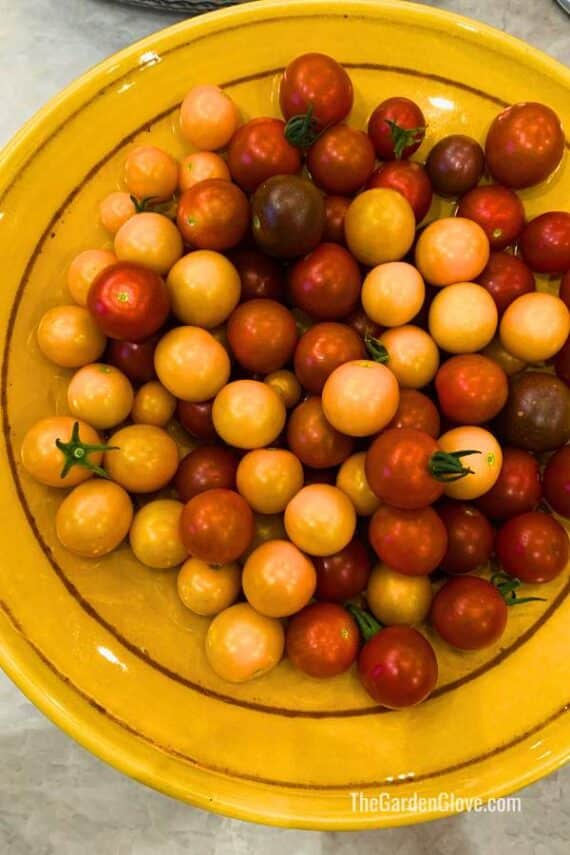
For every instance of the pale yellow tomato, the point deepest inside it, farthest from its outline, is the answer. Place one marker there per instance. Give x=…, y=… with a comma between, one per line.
x=241, y=644
x=208, y=117
x=393, y=293
x=116, y=209
x=360, y=397
x=535, y=326
x=84, y=268
x=351, y=479
x=463, y=318
x=413, y=356
x=320, y=519
x=143, y=458
x=485, y=466
x=268, y=478
x=200, y=166
x=204, y=288
x=278, y=580
x=153, y=405
x=379, y=226
x=395, y=598
x=100, y=394
x=207, y=590
x=453, y=249
x=69, y=337
x=286, y=385
x=151, y=173
x=94, y=518
x=248, y=414
x=191, y=364
x=509, y=363
x=155, y=534
x=149, y=239
x=44, y=461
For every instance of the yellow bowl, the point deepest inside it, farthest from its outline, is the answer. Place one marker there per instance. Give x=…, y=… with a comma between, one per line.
x=105, y=648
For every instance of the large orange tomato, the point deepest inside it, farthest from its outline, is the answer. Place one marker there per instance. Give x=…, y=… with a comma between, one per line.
x=149, y=239
x=360, y=397
x=463, y=318
x=207, y=590
x=413, y=356
x=69, y=337
x=450, y=250
x=141, y=458
x=379, y=226
x=535, y=326
x=268, y=478
x=248, y=414
x=278, y=580
x=44, y=460
x=242, y=644
x=155, y=534
x=204, y=288
x=94, y=518
x=191, y=364
x=320, y=519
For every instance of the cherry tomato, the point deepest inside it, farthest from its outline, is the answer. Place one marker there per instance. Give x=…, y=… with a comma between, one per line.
x=532, y=547
x=362, y=324
x=242, y=644
x=451, y=250
x=216, y=526
x=379, y=226
x=537, y=413
x=471, y=389
x=259, y=150
x=484, y=467
x=455, y=164
x=524, y=145
x=261, y=277
x=94, y=518
x=556, y=481
x=344, y=574
x=141, y=458
x=470, y=537
x=506, y=277
x=151, y=173
x=191, y=364
x=360, y=397
x=69, y=337
x=196, y=418
x=469, y=613
x=417, y=411
x=207, y=590
x=248, y=414
x=498, y=211
x=545, y=243
x=341, y=160
x=204, y=288
x=213, y=214
x=100, y=394
x=207, y=467
x=396, y=127
x=322, y=349
x=509, y=363
x=397, y=667
x=288, y=216
x=326, y=283
x=317, y=82
x=115, y=209
x=201, y=166
x=313, y=440
x=516, y=490
x=322, y=640
x=463, y=318
x=412, y=355
x=153, y=405
x=335, y=212
x=44, y=461
x=150, y=240
x=128, y=302
x=393, y=293
x=320, y=519
x=84, y=269
x=562, y=363
x=351, y=479
x=399, y=467
x=268, y=478
x=286, y=385
x=278, y=580
x=266, y=527
x=208, y=117
x=409, y=179
x=535, y=326
x=394, y=598
x=412, y=542
x=564, y=292
x=262, y=335
x=155, y=534
x=134, y=358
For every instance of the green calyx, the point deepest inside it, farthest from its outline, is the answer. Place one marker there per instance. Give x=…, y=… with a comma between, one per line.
x=446, y=466
x=404, y=137
x=303, y=130
x=367, y=624
x=76, y=453
x=508, y=587
x=376, y=349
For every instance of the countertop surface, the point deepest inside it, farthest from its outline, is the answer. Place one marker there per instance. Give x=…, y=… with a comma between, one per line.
x=55, y=798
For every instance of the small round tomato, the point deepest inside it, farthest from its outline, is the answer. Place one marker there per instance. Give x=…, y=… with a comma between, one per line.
x=455, y=164
x=266, y=527
x=69, y=337
x=320, y=519
x=412, y=355
x=326, y=283
x=360, y=397
x=470, y=537
x=412, y=542
x=469, y=613
x=379, y=226
x=408, y=178
x=335, y=212
x=128, y=302
x=141, y=458
x=149, y=239
x=471, y=389
x=341, y=160
x=344, y=574
x=44, y=460
x=260, y=276
x=213, y=214
x=524, y=145
x=115, y=209
x=208, y=117
x=242, y=644
x=535, y=326
x=268, y=478
x=259, y=150
x=286, y=385
x=396, y=127
x=537, y=413
x=393, y=293
x=484, y=466
x=509, y=363
x=278, y=580
x=453, y=249
x=533, y=547
x=351, y=479
x=313, y=440
x=317, y=82
x=506, y=277
x=322, y=640
x=397, y=599
x=217, y=526
x=562, y=363
x=94, y=518
x=498, y=211
x=151, y=173
x=100, y=394
x=463, y=318
x=191, y=364
x=417, y=411
x=84, y=269
x=288, y=216
x=556, y=481
x=201, y=166
x=248, y=414
x=400, y=468
x=262, y=335
x=155, y=534
x=208, y=590
x=322, y=349
x=204, y=288
x=207, y=467
x=134, y=358
x=516, y=490
x=153, y=405
x=196, y=418
x=545, y=243
x=398, y=667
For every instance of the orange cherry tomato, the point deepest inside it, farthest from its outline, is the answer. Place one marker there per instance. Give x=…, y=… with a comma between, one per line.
x=463, y=318
x=268, y=478
x=208, y=117
x=149, y=239
x=278, y=580
x=204, y=288
x=207, y=590
x=379, y=226
x=143, y=458
x=248, y=414
x=44, y=461
x=485, y=466
x=151, y=173
x=396, y=598
x=535, y=326
x=94, y=518
x=69, y=337
x=351, y=479
x=191, y=364
x=153, y=405
x=393, y=293
x=115, y=209
x=201, y=166
x=320, y=519
x=100, y=394
x=84, y=269
x=286, y=385
x=155, y=534
x=452, y=249
x=242, y=644
x=360, y=397
x=413, y=356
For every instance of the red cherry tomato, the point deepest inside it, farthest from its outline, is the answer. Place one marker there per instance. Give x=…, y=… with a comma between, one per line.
x=128, y=302
x=217, y=526
x=411, y=542
x=408, y=178
x=206, y=468
x=517, y=488
x=545, y=243
x=322, y=640
x=196, y=418
x=416, y=411
x=322, y=349
x=134, y=358
x=397, y=667
x=316, y=81
x=335, y=212
x=556, y=482
x=469, y=613
x=262, y=335
x=260, y=276
x=326, y=283
x=342, y=576
x=398, y=468
x=498, y=210
x=341, y=160
x=396, y=128
x=562, y=363
x=315, y=442
x=532, y=547
x=506, y=277
x=471, y=389
x=470, y=537
x=213, y=214
x=258, y=150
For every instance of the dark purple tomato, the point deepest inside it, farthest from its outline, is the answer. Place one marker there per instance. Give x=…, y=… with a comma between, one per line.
x=342, y=576
x=288, y=216
x=455, y=164
x=470, y=537
x=536, y=416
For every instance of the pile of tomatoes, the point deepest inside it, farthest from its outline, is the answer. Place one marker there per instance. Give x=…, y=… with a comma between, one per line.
x=355, y=381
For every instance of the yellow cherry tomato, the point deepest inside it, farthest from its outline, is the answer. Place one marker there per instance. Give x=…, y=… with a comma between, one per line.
x=486, y=465
x=509, y=363
x=266, y=527
x=395, y=598
x=44, y=461
x=143, y=458
x=153, y=405
x=155, y=534
x=151, y=173
x=101, y=395
x=463, y=318
x=286, y=385
x=149, y=239
x=379, y=226
x=278, y=580
x=453, y=249
x=393, y=293
x=208, y=590
x=351, y=479
x=320, y=519
x=69, y=337
x=535, y=326
x=241, y=644
x=115, y=209
x=204, y=288
x=84, y=269
x=413, y=356
x=268, y=478
x=208, y=117
x=94, y=518
x=191, y=364
x=248, y=414
x=200, y=166
x=360, y=397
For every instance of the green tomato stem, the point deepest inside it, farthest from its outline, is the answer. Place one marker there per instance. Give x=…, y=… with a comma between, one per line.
x=76, y=453
x=367, y=624
x=376, y=349
x=446, y=466
x=507, y=587
x=303, y=130
x=404, y=137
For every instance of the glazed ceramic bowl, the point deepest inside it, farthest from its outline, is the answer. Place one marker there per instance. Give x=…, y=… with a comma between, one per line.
x=104, y=647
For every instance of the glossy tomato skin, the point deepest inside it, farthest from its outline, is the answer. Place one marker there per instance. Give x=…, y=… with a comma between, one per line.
x=208, y=467
x=315, y=442
x=322, y=349
x=536, y=416
x=260, y=276
x=213, y=214
x=470, y=537
x=342, y=576
x=288, y=216
x=556, y=482
x=545, y=243
x=408, y=178
x=524, y=145
x=128, y=302
x=397, y=468
x=322, y=640
x=335, y=212
x=455, y=164
x=318, y=81
x=217, y=526
x=498, y=210
x=404, y=113
x=471, y=389
x=506, y=277
x=517, y=489
x=326, y=283
x=341, y=160
x=532, y=547
x=469, y=613
x=196, y=418
x=134, y=358
x=262, y=335
x=259, y=150
x=412, y=542
x=398, y=667
x=416, y=411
